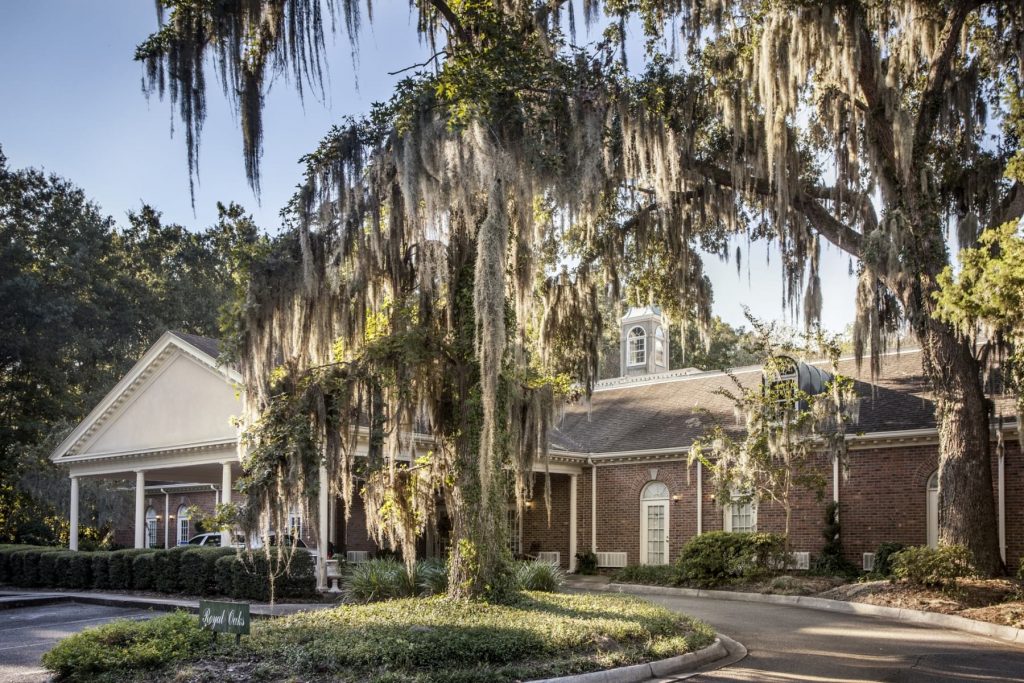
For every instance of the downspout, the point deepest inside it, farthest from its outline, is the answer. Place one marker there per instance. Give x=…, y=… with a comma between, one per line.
x=700, y=498
x=835, y=479
x=216, y=496
x=1001, y=448
x=593, y=505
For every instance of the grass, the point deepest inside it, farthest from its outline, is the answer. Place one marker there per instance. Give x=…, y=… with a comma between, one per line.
x=422, y=640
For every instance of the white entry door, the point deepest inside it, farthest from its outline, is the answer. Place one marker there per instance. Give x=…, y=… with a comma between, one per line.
x=654, y=519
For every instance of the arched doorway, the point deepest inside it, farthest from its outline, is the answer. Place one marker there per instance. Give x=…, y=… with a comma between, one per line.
x=184, y=520
x=150, y=528
x=654, y=523
x=933, y=510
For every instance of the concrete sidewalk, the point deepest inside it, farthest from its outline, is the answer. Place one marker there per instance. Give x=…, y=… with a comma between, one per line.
x=26, y=597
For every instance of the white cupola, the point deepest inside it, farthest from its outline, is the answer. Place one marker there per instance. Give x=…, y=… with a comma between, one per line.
x=644, y=344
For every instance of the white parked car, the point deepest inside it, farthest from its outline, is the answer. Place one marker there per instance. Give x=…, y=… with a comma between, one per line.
x=212, y=540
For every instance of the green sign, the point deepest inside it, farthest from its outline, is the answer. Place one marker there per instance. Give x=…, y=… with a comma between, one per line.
x=224, y=617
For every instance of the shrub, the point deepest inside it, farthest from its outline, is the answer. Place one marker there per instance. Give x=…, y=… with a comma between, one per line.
x=144, y=571
x=167, y=568
x=124, y=646
x=74, y=569
x=933, y=567
x=1020, y=570
x=24, y=565
x=718, y=557
x=382, y=579
x=247, y=576
x=883, y=558
x=539, y=576
x=650, y=574
x=431, y=577
x=120, y=567
x=198, y=569
x=46, y=572
x=100, y=569
x=831, y=561
x=586, y=563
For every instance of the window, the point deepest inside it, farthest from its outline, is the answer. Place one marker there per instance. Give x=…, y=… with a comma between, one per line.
x=659, y=346
x=933, y=510
x=636, y=347
x=150, y=528
x=740, y=514
x=295, y=522
x=654, y=519
x=183, y=524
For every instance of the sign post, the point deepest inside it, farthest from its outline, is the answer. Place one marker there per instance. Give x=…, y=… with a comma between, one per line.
x=224, y=617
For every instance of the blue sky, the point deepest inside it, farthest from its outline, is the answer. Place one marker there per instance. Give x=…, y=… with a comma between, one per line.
x=71, y=103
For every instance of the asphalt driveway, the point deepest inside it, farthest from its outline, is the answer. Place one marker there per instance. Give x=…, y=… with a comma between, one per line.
x=797, y=644
x=27, y=632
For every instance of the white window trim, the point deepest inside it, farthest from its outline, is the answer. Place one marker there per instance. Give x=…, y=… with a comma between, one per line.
x=151, y=527
x=294, y=529
x=634, y=356
x=184, y=524
x=728, y=509
x=645, y=503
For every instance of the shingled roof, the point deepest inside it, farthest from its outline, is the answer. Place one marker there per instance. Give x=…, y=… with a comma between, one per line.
x=671, y=410
x=211, y=347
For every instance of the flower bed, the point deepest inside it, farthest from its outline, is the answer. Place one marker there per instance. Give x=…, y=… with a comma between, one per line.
x=424, y=640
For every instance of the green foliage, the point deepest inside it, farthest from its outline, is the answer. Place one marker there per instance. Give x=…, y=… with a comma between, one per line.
x=539, y=576
x=23, y=565
x=719, y=557
x=122, y=565
x=928, y=567
x=648, y=574
x=74, y=569
x=831, y=561
x=249, y=576
x=127, y=647
x=167, y=565
x=428, y=640
x=144, y=571
x=100, y=570
x=378, y=579
x=198, y=569
x=884, y=557
x=586, y=562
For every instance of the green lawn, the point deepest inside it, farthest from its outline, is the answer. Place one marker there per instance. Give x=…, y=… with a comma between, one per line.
x=417, y=639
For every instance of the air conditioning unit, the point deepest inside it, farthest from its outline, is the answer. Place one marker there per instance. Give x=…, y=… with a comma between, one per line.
x=801, y=560
x=554, y=558
x=357, y=556
x=868, y=561
x=613, y=560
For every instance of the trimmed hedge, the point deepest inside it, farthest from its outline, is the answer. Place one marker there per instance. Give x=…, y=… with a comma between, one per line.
x=938, y=567
x=184, y=569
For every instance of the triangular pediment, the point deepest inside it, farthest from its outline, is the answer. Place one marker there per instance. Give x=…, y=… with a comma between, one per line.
x=174, y=398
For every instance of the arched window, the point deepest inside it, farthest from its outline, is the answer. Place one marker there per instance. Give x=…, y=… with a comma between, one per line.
x=654, y=518
x=184, y=519
x=636, y=347
x=659, y=346
x=933, y=510
x=150, y=528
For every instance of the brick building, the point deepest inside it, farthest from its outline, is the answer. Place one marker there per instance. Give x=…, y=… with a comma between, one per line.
x=620, y=482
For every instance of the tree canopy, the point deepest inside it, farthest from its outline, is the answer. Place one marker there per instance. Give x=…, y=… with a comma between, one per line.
x=82, y=300
x=528, y=174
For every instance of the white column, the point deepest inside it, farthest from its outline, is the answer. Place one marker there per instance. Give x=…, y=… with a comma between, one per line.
x=225, y=498
x=572, y=521
x=835, y=478
x=700, y=499
x=167, y=517
x=73, y=537
x=321, y=541
x=593, y=509
x=140, y=509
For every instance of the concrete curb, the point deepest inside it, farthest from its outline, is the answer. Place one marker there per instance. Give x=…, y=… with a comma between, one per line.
x=637, y=673
x=949, y=621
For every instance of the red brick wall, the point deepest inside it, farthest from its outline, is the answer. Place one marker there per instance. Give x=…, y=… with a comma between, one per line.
x=538, y=535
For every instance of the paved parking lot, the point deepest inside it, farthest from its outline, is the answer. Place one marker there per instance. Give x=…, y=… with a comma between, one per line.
x=27, y=632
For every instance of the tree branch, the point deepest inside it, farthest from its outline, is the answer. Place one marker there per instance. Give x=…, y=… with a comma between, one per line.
x=433, y=57
x=452, y=20
x=931, y=98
